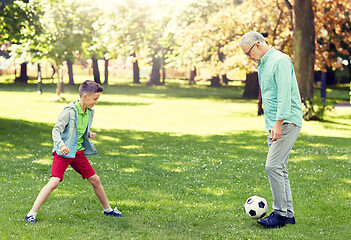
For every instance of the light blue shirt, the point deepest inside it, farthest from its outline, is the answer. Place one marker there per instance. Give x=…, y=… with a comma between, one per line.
x=280, y=92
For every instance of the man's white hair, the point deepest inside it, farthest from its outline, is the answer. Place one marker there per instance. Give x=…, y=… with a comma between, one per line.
x=251, y=38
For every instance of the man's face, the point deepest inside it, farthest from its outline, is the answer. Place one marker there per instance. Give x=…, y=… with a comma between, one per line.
x=252, y=52
x=91, y=99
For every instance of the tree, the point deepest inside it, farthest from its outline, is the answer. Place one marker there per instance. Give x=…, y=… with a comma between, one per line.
x=62, y=21
x=19, y=24
x=200, y=42
x=134, y=17
x=99, y=35
x=213, y=42
x=304, y=50
x=122, y=31
x=333, y=30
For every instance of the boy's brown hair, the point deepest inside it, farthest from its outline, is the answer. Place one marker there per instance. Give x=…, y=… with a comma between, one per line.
x=89, y=86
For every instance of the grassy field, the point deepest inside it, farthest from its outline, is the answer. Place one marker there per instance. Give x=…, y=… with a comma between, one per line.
x=179, y=162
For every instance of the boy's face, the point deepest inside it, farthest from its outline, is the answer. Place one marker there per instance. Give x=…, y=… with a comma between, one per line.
x=90, y=99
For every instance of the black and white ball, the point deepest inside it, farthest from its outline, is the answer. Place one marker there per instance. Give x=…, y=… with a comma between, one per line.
x=256, y=207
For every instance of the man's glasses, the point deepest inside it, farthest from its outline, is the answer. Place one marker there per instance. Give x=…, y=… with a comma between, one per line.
x=248, y=53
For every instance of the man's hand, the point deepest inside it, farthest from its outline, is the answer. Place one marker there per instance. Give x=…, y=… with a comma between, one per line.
x=276, y=131
x=64, y=150
x=92, y=135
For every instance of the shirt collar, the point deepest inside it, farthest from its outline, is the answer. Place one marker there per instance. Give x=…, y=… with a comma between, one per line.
x=79, y=108
x=266, y=56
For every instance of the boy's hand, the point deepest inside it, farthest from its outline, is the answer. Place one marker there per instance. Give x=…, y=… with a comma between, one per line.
x=92, y=135
x=64, y=150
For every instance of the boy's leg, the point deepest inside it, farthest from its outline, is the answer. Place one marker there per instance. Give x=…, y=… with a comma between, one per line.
x=82, y=166
x=59, y=166
x=100, y=193
x=99, y=190
x=45, y=192
x=42, y=196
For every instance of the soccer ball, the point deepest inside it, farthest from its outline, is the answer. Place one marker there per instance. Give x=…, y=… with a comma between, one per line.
x=256, y=207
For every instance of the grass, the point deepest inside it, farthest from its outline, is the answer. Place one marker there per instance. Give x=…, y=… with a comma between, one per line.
x=178, y=161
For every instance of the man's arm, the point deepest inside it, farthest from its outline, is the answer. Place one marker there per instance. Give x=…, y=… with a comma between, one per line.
x=276, y=131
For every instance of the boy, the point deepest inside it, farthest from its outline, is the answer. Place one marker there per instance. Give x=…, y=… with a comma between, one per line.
x=71, y=144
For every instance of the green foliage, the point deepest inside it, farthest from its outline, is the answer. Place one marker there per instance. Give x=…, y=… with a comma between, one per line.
x=184, y=176
x=333, y=32
x=315, y=110
x=188, y=32
x=213, y=42
x=20, y=25
x=68, y=26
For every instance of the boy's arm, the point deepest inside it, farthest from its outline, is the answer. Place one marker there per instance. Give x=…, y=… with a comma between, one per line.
x=59, y=127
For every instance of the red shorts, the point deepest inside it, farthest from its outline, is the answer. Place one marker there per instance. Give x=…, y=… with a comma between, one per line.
x=80, y=164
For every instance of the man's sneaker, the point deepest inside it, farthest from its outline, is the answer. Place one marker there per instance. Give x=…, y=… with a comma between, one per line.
x=273, y=221
x=290, y=220
x=30, y=219
x=114, y=213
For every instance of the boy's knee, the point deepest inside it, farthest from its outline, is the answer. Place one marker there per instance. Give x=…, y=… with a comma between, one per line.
x=53, y=183
x=94, y=180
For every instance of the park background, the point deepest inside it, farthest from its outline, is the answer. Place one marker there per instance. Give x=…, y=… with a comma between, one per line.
x=179, y=152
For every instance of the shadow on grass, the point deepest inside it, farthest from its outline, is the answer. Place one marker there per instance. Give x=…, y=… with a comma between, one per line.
x=176, y=181
x=130, y=104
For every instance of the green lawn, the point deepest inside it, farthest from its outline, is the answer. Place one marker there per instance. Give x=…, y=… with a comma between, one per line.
x=178, y=161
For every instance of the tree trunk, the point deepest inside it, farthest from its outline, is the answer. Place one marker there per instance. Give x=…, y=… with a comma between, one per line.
x=163, y=75
x=331, y=79
x=304, y=47
x=70, y=72
x=53, y=72
x=192, y=76
x=59, y=86
x=349, y=68
x=96, y=72
x=23, y=78
x=225, y=79
x=40, y=83
x=251, y=86
x=259, y=103
x=155, y=78
x=215, y=81
x=106, y=71
x=136, y=70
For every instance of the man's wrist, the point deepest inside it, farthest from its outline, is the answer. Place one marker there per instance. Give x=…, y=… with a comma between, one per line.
x=279, y=122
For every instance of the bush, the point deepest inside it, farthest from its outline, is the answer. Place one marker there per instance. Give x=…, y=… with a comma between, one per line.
x=315, y=111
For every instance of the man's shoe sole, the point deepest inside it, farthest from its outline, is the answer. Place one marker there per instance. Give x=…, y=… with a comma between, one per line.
x=270, y=226
x=290, y=220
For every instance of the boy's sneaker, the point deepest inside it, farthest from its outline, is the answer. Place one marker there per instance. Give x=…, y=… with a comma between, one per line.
x=114, y=213
x=29, y=219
